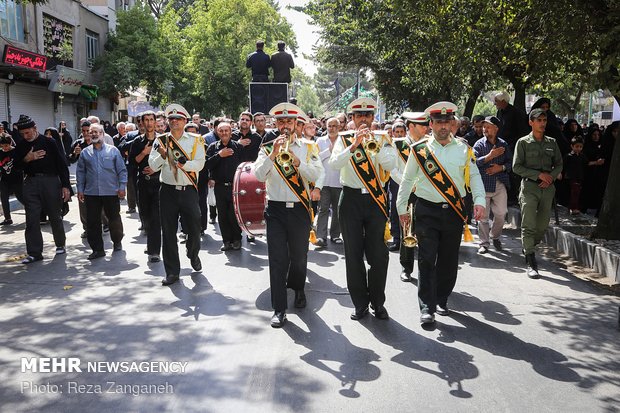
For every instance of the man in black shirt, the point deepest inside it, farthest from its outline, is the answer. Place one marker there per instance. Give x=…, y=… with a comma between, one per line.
x=259, y=62
x=223, y=157
x=45, y=188
x=147, y=185
x=249, y=141
x=282, y=63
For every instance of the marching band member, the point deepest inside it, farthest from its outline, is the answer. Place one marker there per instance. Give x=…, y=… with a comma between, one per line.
x=179, y=156
x=441, y=168
x=286, y=165
x=417, y=127
x=364, y=209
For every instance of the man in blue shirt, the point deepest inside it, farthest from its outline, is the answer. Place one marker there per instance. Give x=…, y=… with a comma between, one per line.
x=101, y=179
x=259, y=62
x=494, y=160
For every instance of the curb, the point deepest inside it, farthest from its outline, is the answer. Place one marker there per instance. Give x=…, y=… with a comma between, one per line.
x=586, y=252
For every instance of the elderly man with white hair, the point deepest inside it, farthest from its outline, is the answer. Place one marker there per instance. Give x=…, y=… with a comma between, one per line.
x=514, y=124
x=106, y=138
x=101, y=179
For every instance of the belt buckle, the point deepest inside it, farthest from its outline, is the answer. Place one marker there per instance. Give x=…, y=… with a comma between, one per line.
x=147, y=177
x=179, y=187
x=290, y=205
x=445, y=206
x=364, y=191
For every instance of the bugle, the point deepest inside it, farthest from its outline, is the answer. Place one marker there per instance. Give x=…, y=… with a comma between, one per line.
x=409, y=238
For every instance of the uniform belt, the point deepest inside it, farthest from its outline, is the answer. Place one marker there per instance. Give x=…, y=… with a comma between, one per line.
x=40, y=174
x=536, y=181
x=443, y=205
x=362, y=191
x=180, y=187
x=149, y=177
x=224, y=183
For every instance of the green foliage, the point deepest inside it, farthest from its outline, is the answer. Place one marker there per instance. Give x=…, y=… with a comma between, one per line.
x=134, y=57
x=421, y=51
x=216, y=44
x=308, y=100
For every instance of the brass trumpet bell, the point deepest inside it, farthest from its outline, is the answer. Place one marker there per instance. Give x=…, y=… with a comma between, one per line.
x=409, y=238
x=284, y=158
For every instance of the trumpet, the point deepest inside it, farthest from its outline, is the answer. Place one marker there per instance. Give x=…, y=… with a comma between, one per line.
x=372, y=144
x=284, y=158
x=409, y=238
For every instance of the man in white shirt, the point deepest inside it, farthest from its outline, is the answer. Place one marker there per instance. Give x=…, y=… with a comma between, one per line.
x=179, y=156
x=289, y=209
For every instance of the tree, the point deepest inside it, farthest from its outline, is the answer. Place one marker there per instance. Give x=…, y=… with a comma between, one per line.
x=121, y=69
x=216, y=43
x=308, y=100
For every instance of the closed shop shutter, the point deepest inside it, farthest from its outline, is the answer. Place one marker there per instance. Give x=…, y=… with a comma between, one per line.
x=34, y=101
x=3, y=113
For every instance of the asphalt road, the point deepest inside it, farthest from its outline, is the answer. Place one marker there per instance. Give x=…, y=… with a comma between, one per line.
x=511, y=344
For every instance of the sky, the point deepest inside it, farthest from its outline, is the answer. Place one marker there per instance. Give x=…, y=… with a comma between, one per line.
x=306, y=34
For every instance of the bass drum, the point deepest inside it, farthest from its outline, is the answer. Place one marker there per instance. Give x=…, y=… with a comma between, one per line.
x=249, y=198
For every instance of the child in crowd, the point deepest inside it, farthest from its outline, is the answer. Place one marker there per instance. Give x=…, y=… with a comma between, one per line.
x=575, y=166
x=11, y=180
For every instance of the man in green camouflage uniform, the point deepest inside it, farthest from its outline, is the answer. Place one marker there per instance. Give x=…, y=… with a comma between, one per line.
x=538, y=161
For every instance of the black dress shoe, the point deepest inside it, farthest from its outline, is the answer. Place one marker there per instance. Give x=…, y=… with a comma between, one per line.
x=381, y=313
x=300, y=299
x=226, y=247
x=442, y=310
x=405, y=277
x=96, y=254
x=498, y=244
x=236, y=245
x=278, y=319
x=170, y=279
x=196, y=264
x=359, y=313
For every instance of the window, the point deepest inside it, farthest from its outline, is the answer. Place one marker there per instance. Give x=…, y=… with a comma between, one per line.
x=11, y=20
x=92, y=48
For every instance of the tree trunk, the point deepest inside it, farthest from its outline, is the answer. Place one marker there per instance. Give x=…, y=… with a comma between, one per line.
x=608, y=226
x=519, y=102
x=471, y=102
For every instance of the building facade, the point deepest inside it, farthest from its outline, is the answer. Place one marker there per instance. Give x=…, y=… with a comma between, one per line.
x=46, y=67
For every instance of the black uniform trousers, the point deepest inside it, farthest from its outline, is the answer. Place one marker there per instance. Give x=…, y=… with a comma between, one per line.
x=407, y=254
x=439, y=230
x=131, y=187
x=392, y=187
x=363, y=227
x=110, y=204
x=42, y=193
x=172, y=204
x=148, y=202
x=288, y=230
x=229, y=228
x=11, y=184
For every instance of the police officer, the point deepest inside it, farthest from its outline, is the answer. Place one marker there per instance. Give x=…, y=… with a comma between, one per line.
x=538, y=161
x=288, y=208
x=363, y=210
x=179, y=156
x=417, y=127
x=438, y=167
